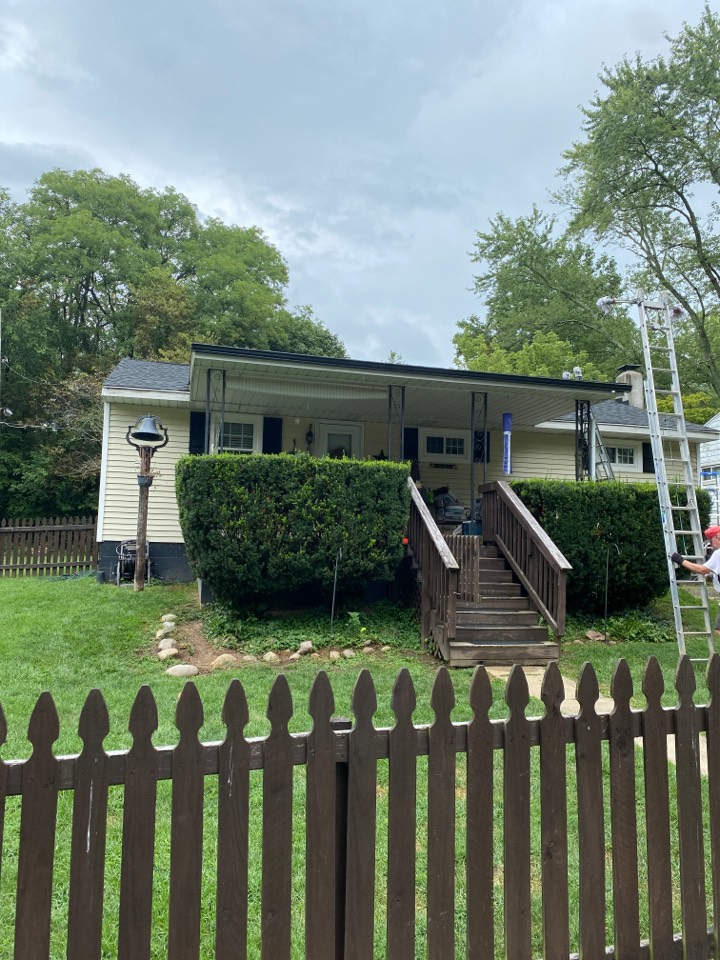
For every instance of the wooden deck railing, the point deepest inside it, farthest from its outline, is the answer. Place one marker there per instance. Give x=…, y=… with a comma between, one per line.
x=439, y=572
x=534, y=558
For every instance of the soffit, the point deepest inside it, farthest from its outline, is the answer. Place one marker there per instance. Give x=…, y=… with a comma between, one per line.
x=267, y=387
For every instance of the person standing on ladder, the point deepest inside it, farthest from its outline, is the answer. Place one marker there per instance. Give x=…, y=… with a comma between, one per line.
x=711, y=565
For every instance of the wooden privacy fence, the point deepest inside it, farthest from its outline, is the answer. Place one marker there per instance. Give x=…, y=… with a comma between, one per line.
x=453, y=828
x=60, y=546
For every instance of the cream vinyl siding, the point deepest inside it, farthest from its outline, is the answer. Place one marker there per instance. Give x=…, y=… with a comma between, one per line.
x=121, y=489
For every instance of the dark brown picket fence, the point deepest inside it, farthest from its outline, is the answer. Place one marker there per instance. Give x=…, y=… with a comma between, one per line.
x=559, y=758
x=59, y=546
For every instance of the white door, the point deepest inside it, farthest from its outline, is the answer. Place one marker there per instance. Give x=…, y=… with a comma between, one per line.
x=338, y=439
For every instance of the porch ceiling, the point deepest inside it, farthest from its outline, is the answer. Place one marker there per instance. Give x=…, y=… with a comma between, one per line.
x=285, y=385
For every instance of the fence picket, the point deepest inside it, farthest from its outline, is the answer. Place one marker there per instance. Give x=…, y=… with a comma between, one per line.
x=516, y=802
x=623, y=817
x=441, y=822
x=186, y=837
x=37, y=835
x=402, y=825
x=138, y=839
x=479, y=803
x=361, y=821
x=232, y=840
x=277, y=825
x=591, y=821
x=3, y=784
x=553, y=815
x=657, y=814
x=320, y=812
x=87, y=856
x=713, y=756
x=690, y=823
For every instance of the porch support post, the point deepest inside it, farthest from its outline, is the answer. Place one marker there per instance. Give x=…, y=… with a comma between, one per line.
x=207, y=411
x=478, y=441
x=396, y=412
x=222, y=415
x=582, y=440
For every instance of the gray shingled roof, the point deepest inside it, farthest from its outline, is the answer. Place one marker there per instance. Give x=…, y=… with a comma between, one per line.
x=149, y=375
x=622, y=414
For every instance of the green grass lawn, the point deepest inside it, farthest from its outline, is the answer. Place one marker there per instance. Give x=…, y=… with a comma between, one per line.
x=70, y=636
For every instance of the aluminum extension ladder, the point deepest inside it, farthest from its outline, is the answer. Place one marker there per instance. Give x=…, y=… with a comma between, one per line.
x=603, y=467
x=673, y=465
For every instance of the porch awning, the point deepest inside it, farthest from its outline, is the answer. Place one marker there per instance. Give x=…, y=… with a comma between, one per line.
x=267, y=383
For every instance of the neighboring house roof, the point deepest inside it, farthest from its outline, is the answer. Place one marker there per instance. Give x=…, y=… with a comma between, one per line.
x=619, y=413
x=149, y=375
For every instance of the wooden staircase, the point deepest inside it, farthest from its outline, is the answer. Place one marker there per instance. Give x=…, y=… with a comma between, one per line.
x=499, y=625
x=481, y=598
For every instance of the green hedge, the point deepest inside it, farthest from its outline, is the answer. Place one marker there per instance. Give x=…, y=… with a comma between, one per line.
x=596, y=524
x=255, y=526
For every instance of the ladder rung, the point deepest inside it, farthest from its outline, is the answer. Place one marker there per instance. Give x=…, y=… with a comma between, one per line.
x=697, y=633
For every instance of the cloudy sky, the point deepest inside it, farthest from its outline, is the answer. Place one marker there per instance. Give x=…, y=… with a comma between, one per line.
x=369, y=140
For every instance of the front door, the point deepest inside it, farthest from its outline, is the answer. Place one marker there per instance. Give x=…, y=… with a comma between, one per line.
x=339, y=439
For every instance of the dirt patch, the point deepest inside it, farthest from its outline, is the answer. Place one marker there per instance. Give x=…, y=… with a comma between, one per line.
x=193, y=647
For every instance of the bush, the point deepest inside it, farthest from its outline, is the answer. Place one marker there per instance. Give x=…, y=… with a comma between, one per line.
x=258, y=525
x=599, y=526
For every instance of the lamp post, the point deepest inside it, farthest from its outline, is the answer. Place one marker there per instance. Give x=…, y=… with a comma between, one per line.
x=146, y=437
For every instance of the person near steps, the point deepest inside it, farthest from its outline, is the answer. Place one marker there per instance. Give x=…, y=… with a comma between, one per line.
x=711, y=566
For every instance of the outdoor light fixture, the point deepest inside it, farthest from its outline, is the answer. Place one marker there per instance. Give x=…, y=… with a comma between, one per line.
x=147, y=435
x=309, y=437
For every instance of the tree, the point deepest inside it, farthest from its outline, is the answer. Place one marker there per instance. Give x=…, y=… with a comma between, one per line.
x=93, y=268
x=646, y=173
x=537, y=281
x=546, y=355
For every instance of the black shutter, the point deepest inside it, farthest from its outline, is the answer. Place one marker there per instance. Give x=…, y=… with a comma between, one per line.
x=272, y=435
x=481, y=447
x=648, y=459
x=197, y=432
x=411, y=442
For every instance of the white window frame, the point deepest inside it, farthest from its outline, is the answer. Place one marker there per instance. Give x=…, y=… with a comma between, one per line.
x=255, y=422
x=444, y=432
x=326, y=427
x=636, y=466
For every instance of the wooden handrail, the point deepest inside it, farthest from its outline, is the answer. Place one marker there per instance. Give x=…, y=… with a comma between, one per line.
x=438, y=570
x=535, y=559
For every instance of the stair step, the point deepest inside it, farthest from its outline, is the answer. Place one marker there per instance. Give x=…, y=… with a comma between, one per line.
x=495, y=603
x=469, y=655
x=497, y=575
x=500, y=633
x=488, y=616
x=488, y=590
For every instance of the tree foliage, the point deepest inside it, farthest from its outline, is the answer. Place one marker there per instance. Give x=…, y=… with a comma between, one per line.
x=540, y=287
x=94, y=268
x=645, y=177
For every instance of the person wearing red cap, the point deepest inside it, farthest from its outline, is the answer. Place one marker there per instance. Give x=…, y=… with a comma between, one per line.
x=710, y=567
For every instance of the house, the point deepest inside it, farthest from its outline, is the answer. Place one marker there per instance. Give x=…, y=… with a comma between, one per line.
x=449, y=421
x=710, y=468
x=454, y=425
